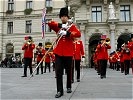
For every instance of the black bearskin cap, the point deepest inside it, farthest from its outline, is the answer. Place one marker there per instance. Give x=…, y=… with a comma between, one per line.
x=64, y=12
x=131, y=35
x=40, y=44
x=30, y=37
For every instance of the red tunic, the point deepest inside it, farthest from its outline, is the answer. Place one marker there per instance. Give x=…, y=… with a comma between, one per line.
x=130, y=46
x=47, y=58
x=40, y=55
x=28, y=50
x=78, y=50
x=103, y=53
x=65, y=46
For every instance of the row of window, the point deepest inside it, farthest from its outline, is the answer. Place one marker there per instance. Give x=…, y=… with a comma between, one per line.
x=48, y=3
x=124, y=13
x=28, y=27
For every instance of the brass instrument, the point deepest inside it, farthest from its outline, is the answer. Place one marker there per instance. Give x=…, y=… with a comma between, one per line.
x=107, y=41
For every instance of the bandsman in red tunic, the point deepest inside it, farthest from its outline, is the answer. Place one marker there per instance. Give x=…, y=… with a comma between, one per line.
x=40, y=53
x=47, y=58
x=103, y=55
x=78, y=54
x=64, y=49
x=130, y=45
x=122, y=60
x=126, y=57
x=28, y=48
x=117, y=57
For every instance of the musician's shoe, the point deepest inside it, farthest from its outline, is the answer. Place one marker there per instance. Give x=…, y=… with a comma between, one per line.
x=102, y=77
x=69, y=90
x=78, y=80
x=58, y=95
x=24, y=76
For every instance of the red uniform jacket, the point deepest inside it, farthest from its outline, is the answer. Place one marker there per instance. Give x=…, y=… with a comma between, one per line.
x=130, y=46
x=121, y=56
x=117, y=56
x=40, y=55
x=28, y=50
x=47, y=58
x=126, y=56
x=65, y=46
x=103, y=53
x=78, y=50
x=53, y=57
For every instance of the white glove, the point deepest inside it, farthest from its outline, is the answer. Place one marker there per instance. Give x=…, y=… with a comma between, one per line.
x=62, y=32
x=64, y=26
x=83, y=61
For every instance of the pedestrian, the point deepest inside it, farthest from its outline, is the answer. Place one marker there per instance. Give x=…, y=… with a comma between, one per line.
x=28, y=48
x=64, y=49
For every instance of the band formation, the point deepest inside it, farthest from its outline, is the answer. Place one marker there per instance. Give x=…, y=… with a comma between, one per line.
x=67, y=53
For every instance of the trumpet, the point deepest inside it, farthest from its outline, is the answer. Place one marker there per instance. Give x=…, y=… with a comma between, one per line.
x=107, y=41
x=29, y=41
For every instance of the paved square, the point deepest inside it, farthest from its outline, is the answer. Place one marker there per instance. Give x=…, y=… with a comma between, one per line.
x=116, y=86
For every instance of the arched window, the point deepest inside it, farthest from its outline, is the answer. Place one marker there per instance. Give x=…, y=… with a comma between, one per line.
x=9, y=49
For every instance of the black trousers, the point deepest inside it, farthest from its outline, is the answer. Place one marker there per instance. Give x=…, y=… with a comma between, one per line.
x=60, y=63
x=122, y=67
x=117, y=65
x=103, y=67
x=98, y=67
x=41, y=68
x=126, y=66
x=47, y=64
x=132, y=64
x=27, y=62
x=76, y=65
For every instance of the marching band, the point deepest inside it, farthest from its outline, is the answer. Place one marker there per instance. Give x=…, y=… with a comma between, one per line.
x=69, y=51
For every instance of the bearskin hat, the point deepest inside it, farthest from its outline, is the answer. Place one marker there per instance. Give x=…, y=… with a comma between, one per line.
x=131, y=35
x=64, y=12
x=30, y=37
x=40, y=44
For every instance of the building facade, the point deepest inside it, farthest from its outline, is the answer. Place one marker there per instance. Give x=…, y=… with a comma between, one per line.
x=20, y=18
x=91, y=16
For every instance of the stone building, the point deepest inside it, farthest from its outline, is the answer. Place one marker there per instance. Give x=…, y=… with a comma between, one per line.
x=92, y=16
x=20, y=18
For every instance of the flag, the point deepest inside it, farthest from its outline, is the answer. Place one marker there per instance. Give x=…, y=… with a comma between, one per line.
x=43, y=22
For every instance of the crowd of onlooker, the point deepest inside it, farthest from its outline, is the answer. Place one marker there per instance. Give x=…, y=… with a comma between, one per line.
x=12, y=62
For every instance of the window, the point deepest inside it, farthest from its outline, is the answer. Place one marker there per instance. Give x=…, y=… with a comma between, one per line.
x=10, y=4
x=125, y=13
x=47, y=29
x=10, y=27
x=28, y=26
x=96, y=14
x=28, y=4
x=48, y=3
